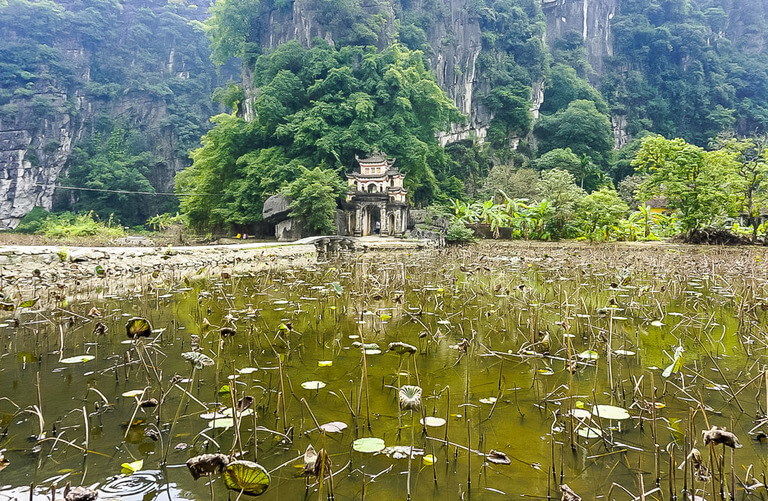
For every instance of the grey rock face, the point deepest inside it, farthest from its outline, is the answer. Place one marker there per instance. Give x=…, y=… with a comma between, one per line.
x=276, y=209
x=33, y=152
x=590, y=18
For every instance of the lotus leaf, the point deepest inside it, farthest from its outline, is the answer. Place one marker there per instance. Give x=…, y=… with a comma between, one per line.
x=368, y=445
x=247, y=477
x=312, y=385
x=79, y=359
x=199, y=360
x=610, y=412
x=137, y=327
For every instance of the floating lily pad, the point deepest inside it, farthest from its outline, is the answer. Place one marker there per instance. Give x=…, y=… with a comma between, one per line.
x=624, y=353
x=589, y=355
x=312, y=385
x=137, y=327
x=657, y=323
x=373, y=351
x=402, y=452
x=428, y=460
x=610, y=412
x=498, y=457
x=589, y=432
x=213, y=415
x=324, y=363
x=368, y=445
x=132, y=393
x=247, y=370
x=228, y=412
x=488, y=400
x=221, y=422
x=247, y=477
x=333, y=427
x=432, y=421
x=581, y=413
x=79, y=359
x=130, y=468
x=402, y=348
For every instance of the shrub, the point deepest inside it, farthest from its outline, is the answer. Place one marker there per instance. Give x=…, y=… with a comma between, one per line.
x=33, y=221
x=86, y=224
x=166, y=220
x=458, y=233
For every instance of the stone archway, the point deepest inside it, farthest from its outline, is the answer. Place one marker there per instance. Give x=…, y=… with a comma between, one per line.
x=391, y=226
x=372, y=216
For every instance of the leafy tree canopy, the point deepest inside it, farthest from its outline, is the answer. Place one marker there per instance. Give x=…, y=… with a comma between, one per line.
x=314, y=195
x=580, y=127
x=320, y=107
x=700, y=184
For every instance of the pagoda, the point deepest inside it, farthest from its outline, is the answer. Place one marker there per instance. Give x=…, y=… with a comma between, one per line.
x=376, y=199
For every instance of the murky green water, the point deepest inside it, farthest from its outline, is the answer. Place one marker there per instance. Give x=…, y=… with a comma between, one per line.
x=307, y=325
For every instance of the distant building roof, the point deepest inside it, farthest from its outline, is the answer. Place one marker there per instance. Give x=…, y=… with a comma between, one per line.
x=657, y=203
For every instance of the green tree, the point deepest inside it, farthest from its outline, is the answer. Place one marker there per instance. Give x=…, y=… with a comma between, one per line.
x=564, y=86
x=559, y=189
x=698, y=183
x=214, y=168
x=321, y=106
x=588, y=175
x=111, y=175
x=231, y=26
x=580, y=127
x=751, y=157
x=514, y=182
x=314, y=195
x=600, y=210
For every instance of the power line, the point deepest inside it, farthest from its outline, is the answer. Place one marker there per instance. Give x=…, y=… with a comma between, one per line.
x=126, y=192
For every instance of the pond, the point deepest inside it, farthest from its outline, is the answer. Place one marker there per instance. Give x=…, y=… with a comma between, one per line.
x=598, y=367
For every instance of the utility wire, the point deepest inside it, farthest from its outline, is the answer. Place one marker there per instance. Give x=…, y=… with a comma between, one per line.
x=126, y=192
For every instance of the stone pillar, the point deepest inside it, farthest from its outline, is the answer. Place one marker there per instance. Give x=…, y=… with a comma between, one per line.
x=383, y=216
x=358, y=222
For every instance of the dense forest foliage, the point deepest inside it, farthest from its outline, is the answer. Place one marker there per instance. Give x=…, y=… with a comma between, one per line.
x=135, y=76
x=689, y=69
x=318, y=108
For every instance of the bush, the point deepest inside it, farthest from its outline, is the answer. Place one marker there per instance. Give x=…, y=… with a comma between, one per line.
x=313, y=198
x=166, y=220
x=458, y=233
x=33, y=221
x=86, y=224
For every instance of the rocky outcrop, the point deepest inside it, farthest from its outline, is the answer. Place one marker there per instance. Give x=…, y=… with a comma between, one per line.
x=591, y=19
x=31, y=158
x=456, y=40
x=747, y=21
x=620, y=136
x=37, y=135
x=44, y=119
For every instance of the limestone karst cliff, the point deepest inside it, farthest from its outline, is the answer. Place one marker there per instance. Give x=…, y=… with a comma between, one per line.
x=74, y=72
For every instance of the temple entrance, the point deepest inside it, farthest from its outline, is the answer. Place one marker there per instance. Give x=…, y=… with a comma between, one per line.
x=372, y=221
x=376, y=202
